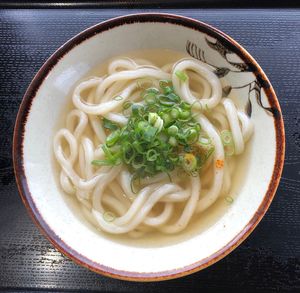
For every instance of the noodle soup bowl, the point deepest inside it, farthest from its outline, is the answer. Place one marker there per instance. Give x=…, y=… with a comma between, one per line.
x=58, y=216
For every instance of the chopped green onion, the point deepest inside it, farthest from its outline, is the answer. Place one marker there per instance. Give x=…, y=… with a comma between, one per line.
x=107, y=152
x=150, y=98
x=203, y=158
x=166, y=86
x=165, y=100
x=205, y=141
x=229, y=199
x=153, y=107
x=138, y=162
x=197, y=105
x=198, y=127
x=103, y=163
x=184, y=115
x=159, y=124
x=136, y=108
x=162, y=137
x=109, y=216
x=142, y=125
x=113, y=138
x=210, y=152
x=152, y=118
x=133, y=178
x=145, y=82
x=138, y=147
x=186, y=106
x=172, y=141
x=174, y=113
x=173, y=97
x=167, y=90
x=109, y=124
x=118, y=98
x=127, y=105
x=128, y=153
x=181, y=75
x=192, y=135
x=174, y=158
x=207, y=108
x=229, y=150
x=158, y=130
x=164, y=83
x=126, y=108
x=226, y=137
x=149, y=133
x=166, y=118
x=151, y=155
x=150, y=90
x=189, y=162
x=173, y=130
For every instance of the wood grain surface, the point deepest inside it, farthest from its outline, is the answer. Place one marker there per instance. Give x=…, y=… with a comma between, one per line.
x=268, y=261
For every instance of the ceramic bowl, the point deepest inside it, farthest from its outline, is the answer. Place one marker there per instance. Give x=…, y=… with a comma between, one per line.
x=46, y=97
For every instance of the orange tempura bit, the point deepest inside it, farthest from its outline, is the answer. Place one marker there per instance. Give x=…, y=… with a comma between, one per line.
x=219, y=164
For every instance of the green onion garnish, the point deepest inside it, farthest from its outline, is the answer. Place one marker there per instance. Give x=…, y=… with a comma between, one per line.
x=113, y=138
x=192, y=135
x=151, y=155
x=108, y=216
x=227, y=141
x=138, y=147
x=165, y=84
x=152, y=118
x=207, y=108
x=109, y=124
x=150, y=98
x=186, y=106
x=161, y=134
x=165, y=100
x=205, y=141
x=173, y=130
x=226, y=137
x=103, y=163
x=118, y=98
x=229, y=199
x=229, y=150
x=145, y=82
x=173, y=141
x=127, y=105
x=184, y=115
x=128, y=152
x=138, y=161
x=181, y=75
x=174, y=113
x=149, y=133
x=189, y=163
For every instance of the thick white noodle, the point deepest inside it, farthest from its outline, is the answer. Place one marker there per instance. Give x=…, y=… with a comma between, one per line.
x=106, y=193
x=234, y=126
x=188, y=210
x=240, y=125
x=213, y=193
x=206, y=75
x=130, y=75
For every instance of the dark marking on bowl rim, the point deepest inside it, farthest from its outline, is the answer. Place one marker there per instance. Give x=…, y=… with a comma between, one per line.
x=44, y=71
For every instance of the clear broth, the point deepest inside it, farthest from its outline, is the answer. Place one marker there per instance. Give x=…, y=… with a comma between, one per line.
x=200, y=222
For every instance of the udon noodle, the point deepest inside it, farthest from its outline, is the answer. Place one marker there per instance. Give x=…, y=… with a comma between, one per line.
x=166, y=201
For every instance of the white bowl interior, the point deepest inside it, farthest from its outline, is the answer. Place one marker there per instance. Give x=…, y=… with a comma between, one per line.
x=45, y=113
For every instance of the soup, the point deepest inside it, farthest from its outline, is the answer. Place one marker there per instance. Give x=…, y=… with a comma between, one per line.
x=149, y=145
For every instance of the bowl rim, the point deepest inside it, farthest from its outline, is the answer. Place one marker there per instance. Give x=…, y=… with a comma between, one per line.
x=19, y=131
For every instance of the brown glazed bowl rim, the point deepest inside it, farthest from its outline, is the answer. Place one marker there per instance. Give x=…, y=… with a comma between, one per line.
x=42, y=74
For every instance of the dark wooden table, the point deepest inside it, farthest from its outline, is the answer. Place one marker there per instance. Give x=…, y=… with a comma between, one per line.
x=268, y=261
